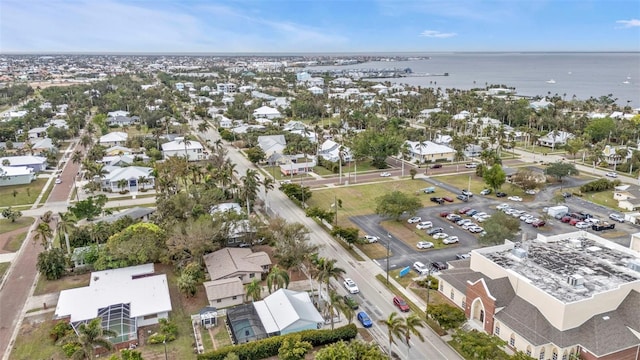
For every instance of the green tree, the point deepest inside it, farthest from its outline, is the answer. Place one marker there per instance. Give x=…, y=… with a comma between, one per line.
x=256, y=154
x=278, y=278
x=498, y=228
x=89, y=208
x=479, y=345
x=9, y=213
x=52, y=263
x=349, y=235
x=126, y=354
x=293, y=348
x=139, y=243
x=494, y=177
x=600, y=129
x=573, y=146
x=560, y=170
x=43, y=233
x=253, y=290
x=88, y=337
x=519, y=355
x=411, y=325
x=447, y=316
x=378, y=145
x=395, y=329
x=397, y=203
x=327, y=270
x=66, y=224
x=354, y=350
x=413, y=172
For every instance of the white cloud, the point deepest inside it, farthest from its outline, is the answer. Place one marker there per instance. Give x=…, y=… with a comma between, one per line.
x=628, y=23
x=437, y=34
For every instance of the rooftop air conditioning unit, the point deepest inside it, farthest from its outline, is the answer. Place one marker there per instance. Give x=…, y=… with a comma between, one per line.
x=634, y=265
x=520, y=253
x=575, y=280
x=575, y=243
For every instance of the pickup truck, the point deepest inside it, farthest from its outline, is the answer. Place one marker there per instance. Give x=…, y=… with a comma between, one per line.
x=603, y=226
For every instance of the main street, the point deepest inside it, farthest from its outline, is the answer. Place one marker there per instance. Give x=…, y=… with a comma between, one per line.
x=374, y=297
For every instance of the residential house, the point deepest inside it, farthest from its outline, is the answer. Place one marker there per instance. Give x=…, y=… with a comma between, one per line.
x=472, y=150
x=286, y=311
x=134, y=178
x=428, y=151
x=611, y=154
x=193, y=150
x=225, y=293
x=331, y=151
x=266, y=112
x=116, y=138
x=179, y=86
x=138, y=214
x=118, y=150
x=272, y=144
x=552, y=306
x=627, y=196
x=122, y=120
x=443, y=139
x=37, y=133
x=16, y=175
x=225, y=208
x=555, y=139
x=303, y=76
x=342, y=81
x=426, y=114
x=239, y=263
x=293, y=165
x=117, y=113
x=43, y=146
x=226, y=88
x=224, y=122
x=540, y=104
x=37, y=163
x=126, y=300
x=294, y=125
x=316, y=90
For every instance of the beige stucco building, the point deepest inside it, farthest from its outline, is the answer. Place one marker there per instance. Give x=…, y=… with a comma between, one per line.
x=553, y=296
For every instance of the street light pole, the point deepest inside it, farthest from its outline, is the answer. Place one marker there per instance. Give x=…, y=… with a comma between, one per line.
x=388, y=247
x=165, y=349
x=426, y=310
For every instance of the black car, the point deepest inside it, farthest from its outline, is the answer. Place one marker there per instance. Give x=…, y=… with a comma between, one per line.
x=438, y=200
x=439, y=266
x=351, y=302
x=501, y=194
x=566, y=195
x=434, y=231
x=436, y=166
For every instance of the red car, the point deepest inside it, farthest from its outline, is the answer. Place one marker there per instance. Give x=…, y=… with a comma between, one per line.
x=573, y=222
x=464, y=210
x=539, y=223
x=401, y=304
x=444, y=214
x=566, y=219
x=447, y=199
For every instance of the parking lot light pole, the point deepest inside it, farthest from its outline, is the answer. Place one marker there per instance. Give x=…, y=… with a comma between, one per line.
x=426, y=310
x=388, y=247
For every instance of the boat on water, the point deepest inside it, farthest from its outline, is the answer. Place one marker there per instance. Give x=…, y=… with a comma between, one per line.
x=626, y=82
x=551, y=81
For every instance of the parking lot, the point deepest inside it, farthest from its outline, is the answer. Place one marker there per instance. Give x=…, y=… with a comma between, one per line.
x=404, y=254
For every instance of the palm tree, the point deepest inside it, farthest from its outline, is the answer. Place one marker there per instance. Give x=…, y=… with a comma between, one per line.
x=204, y=126
x=621, y=156
x=43, y=233
x=89, y=336
x=186, y=140
x=86, y=140
x=122, y=183
x=277, y=279
x=334, y=302
x=100, y=232
x=328, y=270
x=250, y=184
x=254, y=290
x=268, y=185
x=346, y=309
x=66, y=224
x=395, y=327
x=142, y=180
x=77, y=156
x=411, y=325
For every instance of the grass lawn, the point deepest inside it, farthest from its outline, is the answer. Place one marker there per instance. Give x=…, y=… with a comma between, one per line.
x=15, y=242
x=33, y=342
x=3, y=268
x=604, y=198
x=24, y=194
x=542, y=150
x=275, y=172
x=45, y=286
x=6, y=225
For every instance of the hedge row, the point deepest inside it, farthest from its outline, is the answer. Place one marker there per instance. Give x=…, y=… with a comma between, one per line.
x=269, y=347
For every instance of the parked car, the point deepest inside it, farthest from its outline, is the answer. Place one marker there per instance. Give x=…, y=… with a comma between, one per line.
x=436, y=166
x=444, y=213
x=421, y=268
x=566, y=219
x=616, y=217
x=454, y=217
x=515, y=198
x=566, y=195
x=439, y=266
x=424, y=245
x=467, y=192
x=476, y=229
x=58, y=181
x=463, y=221
x=401, y=304
x=364, y=319
x=461, y=197
x=450, y=240
x=351, y=302
x=463, y=210
x=415, y=219
x=485, y=192
x=463, y=256
x=603, y=226
x=438, y=200
x=351, y=286
x=500, y=194
x=539, y=223
x=611, y=174
x=471, y=212
x=471, y=165
x=371, y=239
x=434, y=231
x=503, y=207
x=385, y=174
x=582, y=225
x=429, y=190
x=447, y=199
x=424, y=225
x=574, y=221
x=530, y=192
x=440, y=236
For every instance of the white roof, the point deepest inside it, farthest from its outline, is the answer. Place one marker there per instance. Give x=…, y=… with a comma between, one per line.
x=15, y=170
x=24, y=160
x=180, y=145
x=114, y=137
x=284, y=308
x=266, y=110
x=146, y=295
x=129, y=172
x=428, y=148
x=118, y=113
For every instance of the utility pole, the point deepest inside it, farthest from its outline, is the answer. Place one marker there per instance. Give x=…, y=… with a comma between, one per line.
x=388, y=247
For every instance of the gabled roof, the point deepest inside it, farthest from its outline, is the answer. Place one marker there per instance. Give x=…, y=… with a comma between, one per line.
x=115, y=136
x=228, y=261
x=272, y=143
x=428, y=148
x=24, y=160
x=266, y=110
x=179, y=145
x=129, y=172
x=224, y=288
x=285, y=308
x=135, y=213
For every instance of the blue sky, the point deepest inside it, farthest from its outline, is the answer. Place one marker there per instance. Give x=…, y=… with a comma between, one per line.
x=318, y=25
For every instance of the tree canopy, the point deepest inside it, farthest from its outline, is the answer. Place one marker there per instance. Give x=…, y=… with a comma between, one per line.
x=494, y=176
x=377, y=145
x=561, y=169
x=498, y=228
x=397, y=203
x=139, y=243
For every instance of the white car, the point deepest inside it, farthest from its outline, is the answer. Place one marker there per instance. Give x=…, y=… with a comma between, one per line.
x=503, y=207
x=371, y=239
x=450, y=240
x=583, y=225
x=471, y=165
x=475, y=229
x=351, y=286
x=58, y=181
x=616, y=217
x=440, y=236
x=424, y=245
x=515, y=198
x=420, y=268
x=385, y=174
x=611, y=174
x=424, y=225
x=415, y=219
x=531, y=192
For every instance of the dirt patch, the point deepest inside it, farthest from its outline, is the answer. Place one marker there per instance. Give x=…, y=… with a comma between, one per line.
x=68, y=282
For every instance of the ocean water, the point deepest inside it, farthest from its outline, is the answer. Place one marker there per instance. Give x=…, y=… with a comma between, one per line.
x=581, y=74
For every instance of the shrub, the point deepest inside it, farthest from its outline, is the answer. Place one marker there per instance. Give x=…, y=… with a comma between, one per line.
x=60, y=330
x=599, y=185
x=269, y=347
x=70, y=348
